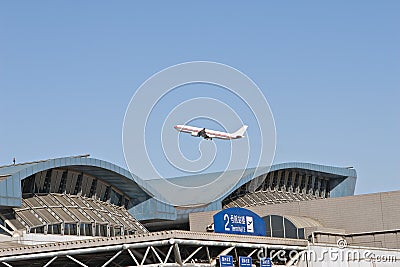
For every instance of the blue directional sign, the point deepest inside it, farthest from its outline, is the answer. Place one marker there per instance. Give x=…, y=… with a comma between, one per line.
x=225, y=261
x=265, y=262
x=239, y=221
x=244, y=261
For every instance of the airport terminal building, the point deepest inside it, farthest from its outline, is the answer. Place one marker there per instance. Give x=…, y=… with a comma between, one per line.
x=81, y=211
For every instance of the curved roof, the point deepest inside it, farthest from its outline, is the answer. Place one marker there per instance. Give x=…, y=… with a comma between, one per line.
x=344, y=177
x=334, y=172
x=340, y=171
x=114, y=175
x=300, y=222
x=150, y=208
x=251, y=173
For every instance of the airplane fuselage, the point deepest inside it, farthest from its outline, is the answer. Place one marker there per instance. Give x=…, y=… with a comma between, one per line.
x=194, y=131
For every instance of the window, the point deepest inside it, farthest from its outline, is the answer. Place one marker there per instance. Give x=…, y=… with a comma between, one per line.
x=101, y=229
x=85, y=229
x=303, y=182
x=115, y=198
x=88, y=229
x=310, y=179
x=47, y=180
x=279, y=226
x=267, y=221
x=78, y=185
x=107, y=194
x=316, y=184
x=117, y=231
x=282, y=180
x=296, y=181
x=37, y=230
x=126, y=203
x=93, y=188
x=70, y=229
x=266, y=182
x=274, y=180
x=300, y=233
x=54, y=229
x=290, y=229
x=28, y=184
x=289, y=181
x=63, y=182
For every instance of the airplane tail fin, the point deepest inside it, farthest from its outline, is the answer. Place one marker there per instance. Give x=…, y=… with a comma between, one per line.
x=241, y=131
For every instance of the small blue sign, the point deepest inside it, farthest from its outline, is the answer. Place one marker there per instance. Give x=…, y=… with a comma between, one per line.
x=265, y=262
x=245, y=261
x=225, y=261
x=239, y=221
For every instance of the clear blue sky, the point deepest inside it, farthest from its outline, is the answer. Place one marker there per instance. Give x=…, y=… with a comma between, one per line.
x=330, y=71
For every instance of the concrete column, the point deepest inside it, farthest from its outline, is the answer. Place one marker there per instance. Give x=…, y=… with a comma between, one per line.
x=285, y=185
x=313, y=181
x=280, y=177
x=271, y=175
x=301, y=178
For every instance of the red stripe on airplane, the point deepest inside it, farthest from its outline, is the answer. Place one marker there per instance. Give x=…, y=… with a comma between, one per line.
x=187, y=129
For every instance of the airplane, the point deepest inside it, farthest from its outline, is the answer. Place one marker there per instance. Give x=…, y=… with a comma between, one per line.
x=210, y=134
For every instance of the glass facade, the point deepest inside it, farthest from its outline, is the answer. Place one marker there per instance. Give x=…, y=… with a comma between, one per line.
x=281, y=186
x=279, y=226
x=67, y=202
x=70, y=182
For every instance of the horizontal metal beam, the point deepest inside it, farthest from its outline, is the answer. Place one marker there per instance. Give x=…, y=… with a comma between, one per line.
x=82, y=251
x=234, y=244
x=89, y=250
x=177, y=265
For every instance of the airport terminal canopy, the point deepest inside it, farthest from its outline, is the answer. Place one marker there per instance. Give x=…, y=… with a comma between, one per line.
x=69, y=196
x=27, y=186
x=120, y=180
x=293, y=181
